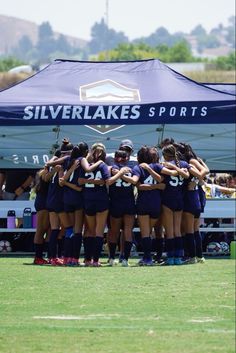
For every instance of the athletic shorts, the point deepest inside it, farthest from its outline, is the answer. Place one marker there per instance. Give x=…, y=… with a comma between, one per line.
x=118, y=209
x=93, y=207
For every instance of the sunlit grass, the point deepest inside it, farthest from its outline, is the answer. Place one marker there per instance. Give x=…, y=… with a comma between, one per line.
x=188, y=309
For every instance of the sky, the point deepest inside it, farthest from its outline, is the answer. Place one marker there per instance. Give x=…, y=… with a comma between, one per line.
x=136, y=18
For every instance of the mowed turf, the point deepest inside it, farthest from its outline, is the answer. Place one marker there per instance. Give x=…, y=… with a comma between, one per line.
x=178, y=309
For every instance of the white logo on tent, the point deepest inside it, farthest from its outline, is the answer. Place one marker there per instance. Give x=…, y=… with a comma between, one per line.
x=108, y=91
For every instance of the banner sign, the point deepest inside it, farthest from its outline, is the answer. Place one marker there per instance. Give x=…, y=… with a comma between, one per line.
x=166, y=113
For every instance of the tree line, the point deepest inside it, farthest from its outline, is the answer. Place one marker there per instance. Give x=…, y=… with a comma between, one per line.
x=108, y=44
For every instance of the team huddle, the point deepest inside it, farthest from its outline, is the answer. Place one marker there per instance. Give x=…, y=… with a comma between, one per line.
x=81, y=192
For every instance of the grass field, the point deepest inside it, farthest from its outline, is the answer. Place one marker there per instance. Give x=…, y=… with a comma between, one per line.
x=178, y=309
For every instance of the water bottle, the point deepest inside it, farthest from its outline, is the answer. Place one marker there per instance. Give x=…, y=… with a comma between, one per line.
x=11, y=219
x=27, y=218
x=34, y=219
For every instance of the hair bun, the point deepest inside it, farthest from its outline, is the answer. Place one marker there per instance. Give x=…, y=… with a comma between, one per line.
x=65, y=141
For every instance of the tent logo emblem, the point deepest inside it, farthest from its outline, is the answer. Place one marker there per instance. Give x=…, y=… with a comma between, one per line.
x=104, y=129
x=108, y=91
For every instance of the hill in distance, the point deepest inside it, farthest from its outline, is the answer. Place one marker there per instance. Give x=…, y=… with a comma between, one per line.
x=12, y=29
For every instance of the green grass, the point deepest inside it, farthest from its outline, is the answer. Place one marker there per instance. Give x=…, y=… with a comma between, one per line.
x=178, y=309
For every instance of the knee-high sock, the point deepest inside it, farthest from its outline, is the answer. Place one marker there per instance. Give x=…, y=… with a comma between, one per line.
x=60, y=247
x=38, y=250
x=198, y=243
x=127, y=249
x=191, y=246
x=76, y=245
x=179, y=247
x=112, y=250
x=53, y=243
x=98, y=244
x=170, y=247
x=147, y=247
x=88, y=247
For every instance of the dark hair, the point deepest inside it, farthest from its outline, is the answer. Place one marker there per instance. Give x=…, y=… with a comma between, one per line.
x=66, y=145
x=79, y=150
x=171, y=152
x=144, y=155
x=166, y=141
x=186, y=151
x=121, y=156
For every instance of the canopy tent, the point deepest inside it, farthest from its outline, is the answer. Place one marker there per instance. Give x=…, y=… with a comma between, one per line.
x=108, y=101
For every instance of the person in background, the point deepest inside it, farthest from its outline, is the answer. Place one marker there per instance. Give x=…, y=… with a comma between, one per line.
x=17, y=183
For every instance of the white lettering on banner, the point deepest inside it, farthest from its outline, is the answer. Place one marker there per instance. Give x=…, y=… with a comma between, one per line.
x=30, y=159
x=118, y=112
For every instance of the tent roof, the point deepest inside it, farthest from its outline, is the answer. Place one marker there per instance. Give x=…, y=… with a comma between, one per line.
x=107, y=102
x=138, y=92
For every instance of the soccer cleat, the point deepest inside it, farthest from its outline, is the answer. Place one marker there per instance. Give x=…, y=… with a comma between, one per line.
x=125, y=263
x=141, y=262
x=112, y=262
x=87, y=263
x=201, y=260
x=170, y=261
x=148, y=262
x=96, y=264
x=56, y=262
x=191, y=261
x=40, y=261
x=178, y=261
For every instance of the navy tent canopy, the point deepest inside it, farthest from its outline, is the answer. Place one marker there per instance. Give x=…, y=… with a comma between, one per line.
x=130, y=93
x=109, y=101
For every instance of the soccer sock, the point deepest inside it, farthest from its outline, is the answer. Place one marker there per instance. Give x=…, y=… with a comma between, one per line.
x=112, y=250
x=198, y=242
x=127, y=249
x=185, y=244
x=60, y=247
x=88, y=248
x=38, y=250
x=160, y=247
x=46, y=249
x=154, y=244
x=76, y=245
x=170, y=247
x=147, y=247
x=97, y=248
x=53, y=243
x=68, y=242
x=191, y=244
x=178, y=247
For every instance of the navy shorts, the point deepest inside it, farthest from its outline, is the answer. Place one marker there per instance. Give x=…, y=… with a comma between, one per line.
x=118, y=209
x=92, y=207
x=174, y=204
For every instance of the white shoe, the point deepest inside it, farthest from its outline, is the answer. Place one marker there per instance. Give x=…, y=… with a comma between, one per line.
x=201, y=260
x=125, y=263
x=191, y=261
x=112, y=262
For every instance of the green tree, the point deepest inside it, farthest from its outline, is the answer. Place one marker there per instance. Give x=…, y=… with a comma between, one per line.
x=103, y=38
x=8, y=63
x=46, y=43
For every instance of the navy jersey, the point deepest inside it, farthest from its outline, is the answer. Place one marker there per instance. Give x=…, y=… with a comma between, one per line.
x=173, y=195
x=71, y=196
x=96, y=192
x=148, y=201
x=55, y=195
x=121, y=189
x=192, y=203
